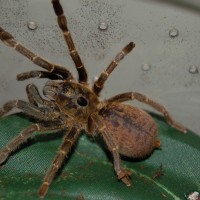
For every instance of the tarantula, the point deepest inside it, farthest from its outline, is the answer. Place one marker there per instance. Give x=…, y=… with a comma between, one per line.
x=73, y=106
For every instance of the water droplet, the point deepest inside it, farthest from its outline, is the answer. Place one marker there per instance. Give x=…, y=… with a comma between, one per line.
x=103, y=26
x=173, y=33
x=32, y=25
x=146, y=67
x=193, y=69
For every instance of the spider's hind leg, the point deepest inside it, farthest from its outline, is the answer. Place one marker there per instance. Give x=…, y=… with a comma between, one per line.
x=13, y=145
x=70, y=138
x=122, y=174
x=22, y=137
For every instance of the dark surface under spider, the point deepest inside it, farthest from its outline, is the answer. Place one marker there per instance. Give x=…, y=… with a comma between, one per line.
x=75, y=105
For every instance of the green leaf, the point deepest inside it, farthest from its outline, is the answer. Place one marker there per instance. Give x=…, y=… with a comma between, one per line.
x=88, y=173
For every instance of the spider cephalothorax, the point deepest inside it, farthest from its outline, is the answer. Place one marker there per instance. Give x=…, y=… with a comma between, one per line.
x=74, y=105
x=73, y=99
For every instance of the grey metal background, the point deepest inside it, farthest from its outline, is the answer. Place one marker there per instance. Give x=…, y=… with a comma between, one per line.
x=146, y=22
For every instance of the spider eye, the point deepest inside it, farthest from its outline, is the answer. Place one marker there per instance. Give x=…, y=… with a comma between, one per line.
x=81, y=101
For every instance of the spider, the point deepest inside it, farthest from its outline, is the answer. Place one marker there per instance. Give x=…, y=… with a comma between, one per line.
x=73, y=105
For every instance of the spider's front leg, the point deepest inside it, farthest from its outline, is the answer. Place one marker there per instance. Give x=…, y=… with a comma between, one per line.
x=10, y=41
x=70, y=138
x=38, y=74
x=35, y=98
x=23, y=136
x=99, y=83
x=97, y=123
x=30, y=109
x=62, y=22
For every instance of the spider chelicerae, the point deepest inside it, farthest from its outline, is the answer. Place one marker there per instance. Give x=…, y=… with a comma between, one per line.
x=72, y=106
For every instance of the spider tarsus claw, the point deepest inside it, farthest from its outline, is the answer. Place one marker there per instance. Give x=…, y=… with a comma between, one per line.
x=43, y=190
x=124, y=176
x=184, y=130
x=128, y=47
x=126, y=181
x=181, y=128
x=131, y=44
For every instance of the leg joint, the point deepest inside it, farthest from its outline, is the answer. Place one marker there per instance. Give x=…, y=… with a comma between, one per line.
x=115, y=149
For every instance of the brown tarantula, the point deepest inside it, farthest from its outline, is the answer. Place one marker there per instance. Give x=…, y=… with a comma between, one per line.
x=73, y=106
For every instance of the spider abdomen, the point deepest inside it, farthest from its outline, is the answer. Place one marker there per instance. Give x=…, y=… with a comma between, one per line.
x=133, y=130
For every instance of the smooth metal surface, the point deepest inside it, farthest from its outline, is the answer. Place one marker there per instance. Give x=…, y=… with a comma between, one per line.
x=170, y=79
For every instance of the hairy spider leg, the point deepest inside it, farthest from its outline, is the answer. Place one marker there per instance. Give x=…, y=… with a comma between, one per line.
x=70, y=138
x=38, y=74
x=62, y=22
x=30, y=109
x=123, y=174
x=35, y=98
x=23, y=136
x=10, y=41
x=99, y=83
x=144, y=99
